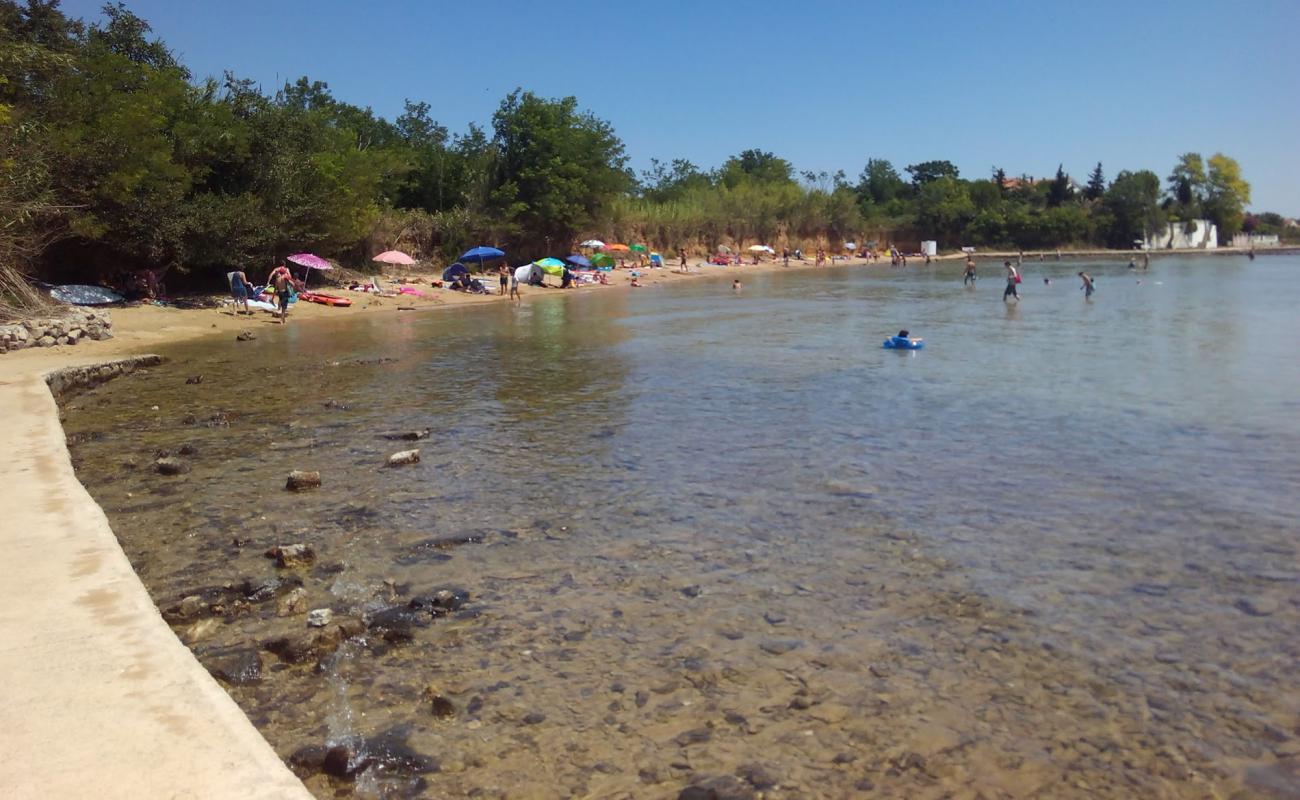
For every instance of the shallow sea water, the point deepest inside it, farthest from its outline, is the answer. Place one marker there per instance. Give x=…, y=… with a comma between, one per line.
x=729, y=537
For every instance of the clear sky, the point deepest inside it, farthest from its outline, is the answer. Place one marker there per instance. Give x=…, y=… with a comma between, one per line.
x=826, y=85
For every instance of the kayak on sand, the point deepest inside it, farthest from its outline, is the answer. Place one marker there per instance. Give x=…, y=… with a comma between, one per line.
x=325, y=299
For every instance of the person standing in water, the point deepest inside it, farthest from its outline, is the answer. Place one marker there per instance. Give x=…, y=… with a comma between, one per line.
x=735, y=285
x=1087, y=287
x=1146, y=261
x=1013, y=278
x=969, y=278
x=1132, y=263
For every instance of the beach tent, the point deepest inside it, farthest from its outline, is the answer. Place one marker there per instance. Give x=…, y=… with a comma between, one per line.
x=551, y=266
x=656, y=259
x=602, y=261
x=454, y=271
x=529, y=274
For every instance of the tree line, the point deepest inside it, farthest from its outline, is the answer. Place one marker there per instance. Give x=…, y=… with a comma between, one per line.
x=112, y=156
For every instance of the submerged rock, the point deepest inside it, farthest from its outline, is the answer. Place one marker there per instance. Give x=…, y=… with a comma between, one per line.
x=292, y=555
x=1257, y=606
x=408, y=436
x=236, y=667
x=404, y=457
x=245, y=336
x=299, y=480
x=293, y=603
x=319, y=617
x=721, y=787
x=170, y=466
x=313, y=644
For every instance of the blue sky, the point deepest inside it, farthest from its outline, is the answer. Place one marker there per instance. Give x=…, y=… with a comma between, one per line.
x=1021, y=85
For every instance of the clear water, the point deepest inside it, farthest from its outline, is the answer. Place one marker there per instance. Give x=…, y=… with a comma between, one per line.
x=1052, y=554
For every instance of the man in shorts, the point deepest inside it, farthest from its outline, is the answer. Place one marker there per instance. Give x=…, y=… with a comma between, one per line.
x=282, y=282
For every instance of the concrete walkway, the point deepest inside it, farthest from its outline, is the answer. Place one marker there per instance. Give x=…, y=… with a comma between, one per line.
x=98, y=698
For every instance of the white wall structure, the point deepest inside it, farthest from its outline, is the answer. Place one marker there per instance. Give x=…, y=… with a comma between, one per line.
x=1197, y=234
x=929, y=247
x=1256, y=240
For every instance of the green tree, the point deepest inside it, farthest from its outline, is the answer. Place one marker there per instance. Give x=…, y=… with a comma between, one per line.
x=944, y=208
x=1133, y=204
x=1059, y=189
x=755, y=165
x=1187, y=186
x=557, y=168
x=1226, y=195
x=928, y=171
x=880, y=182
x=1000, y=179
x=1096, y=184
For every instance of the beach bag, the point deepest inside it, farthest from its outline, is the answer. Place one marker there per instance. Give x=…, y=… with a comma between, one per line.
x=1017, y=277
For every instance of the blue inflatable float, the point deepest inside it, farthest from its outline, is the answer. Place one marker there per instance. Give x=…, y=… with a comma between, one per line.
x=903, y=343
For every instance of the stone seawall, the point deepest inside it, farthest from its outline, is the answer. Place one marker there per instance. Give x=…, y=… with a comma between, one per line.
x=100, y=697
x=67, y=382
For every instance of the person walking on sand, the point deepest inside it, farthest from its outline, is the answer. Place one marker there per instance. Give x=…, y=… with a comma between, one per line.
x=785, y=256
x=1013, y=278
x=1087, y=287
x=681, y=255
x=282, y=281
x=969, y=278
x=239, y=290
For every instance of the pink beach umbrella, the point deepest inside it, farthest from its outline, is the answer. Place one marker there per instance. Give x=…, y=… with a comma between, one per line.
x=396, y=257
x=310, y=262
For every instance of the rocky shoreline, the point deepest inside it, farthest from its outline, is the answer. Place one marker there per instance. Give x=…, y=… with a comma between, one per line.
x=76, y=325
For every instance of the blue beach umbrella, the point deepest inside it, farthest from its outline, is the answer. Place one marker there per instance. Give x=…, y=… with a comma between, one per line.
x=481, y=254
x=579, y=261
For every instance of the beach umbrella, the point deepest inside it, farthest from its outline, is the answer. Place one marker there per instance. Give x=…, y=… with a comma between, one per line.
x=481, y=254
x=579, y=261
x=761, y=248
x=602, y=260
x=851, y=245
x=549, y=262
x=591, y=243
x=621, y=247
x=395, y=257
x=722, y=248
x=640, y=248
x=309, y=261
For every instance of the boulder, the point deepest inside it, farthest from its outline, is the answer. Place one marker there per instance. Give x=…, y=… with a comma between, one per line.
x=408, y=436
x=291, y=555
x=404, y=457
x=245, y=336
